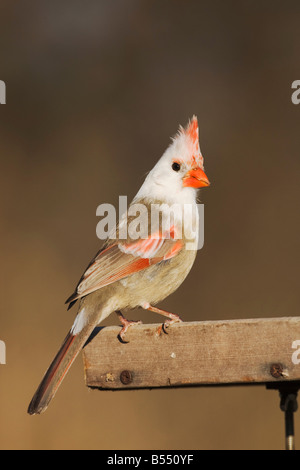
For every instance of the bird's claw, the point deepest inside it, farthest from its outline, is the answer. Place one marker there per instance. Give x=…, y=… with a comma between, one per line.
x=163, y=328
x=126, y=325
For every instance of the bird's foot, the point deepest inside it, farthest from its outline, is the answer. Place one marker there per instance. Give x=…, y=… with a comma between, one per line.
x=172, y=317
x=126, y=325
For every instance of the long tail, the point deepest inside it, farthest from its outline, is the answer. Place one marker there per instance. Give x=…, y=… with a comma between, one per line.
x=58, y=369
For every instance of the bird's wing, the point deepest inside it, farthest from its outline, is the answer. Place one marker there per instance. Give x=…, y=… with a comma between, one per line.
x=123, y=258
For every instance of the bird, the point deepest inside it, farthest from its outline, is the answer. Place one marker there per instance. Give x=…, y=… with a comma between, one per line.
x=132, y=271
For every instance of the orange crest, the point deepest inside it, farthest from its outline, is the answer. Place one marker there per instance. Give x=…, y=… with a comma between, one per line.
x=192, y=131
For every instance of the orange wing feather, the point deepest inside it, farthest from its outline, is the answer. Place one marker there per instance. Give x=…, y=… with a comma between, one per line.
x=123, y=258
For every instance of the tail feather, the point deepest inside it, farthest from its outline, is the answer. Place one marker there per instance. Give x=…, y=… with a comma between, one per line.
x=57, y=370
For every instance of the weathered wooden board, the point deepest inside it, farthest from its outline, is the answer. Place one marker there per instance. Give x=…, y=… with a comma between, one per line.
x=197, y=353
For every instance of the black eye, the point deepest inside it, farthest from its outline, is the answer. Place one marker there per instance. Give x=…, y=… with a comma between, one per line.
x=176, y=166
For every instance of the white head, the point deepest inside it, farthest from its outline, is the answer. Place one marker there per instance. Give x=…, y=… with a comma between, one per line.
x=179, y=173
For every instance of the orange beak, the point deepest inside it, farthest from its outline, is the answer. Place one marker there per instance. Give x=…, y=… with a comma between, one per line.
x=195, y=178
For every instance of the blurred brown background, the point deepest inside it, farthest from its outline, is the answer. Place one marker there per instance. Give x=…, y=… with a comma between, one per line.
x=94, y=92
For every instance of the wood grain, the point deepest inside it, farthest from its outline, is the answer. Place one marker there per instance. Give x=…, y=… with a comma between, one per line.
x=196, y=353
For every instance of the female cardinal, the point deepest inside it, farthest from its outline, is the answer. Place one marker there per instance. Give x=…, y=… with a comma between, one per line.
x=130, y=272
